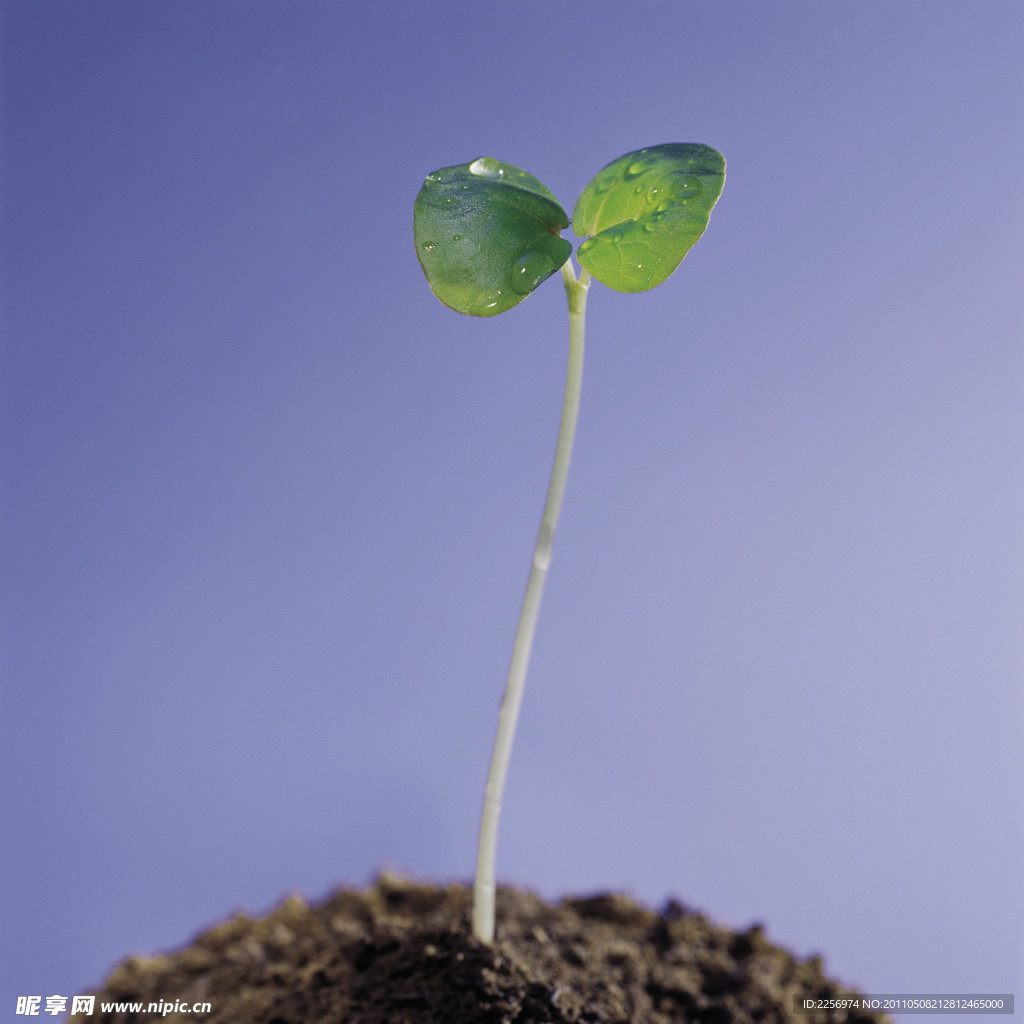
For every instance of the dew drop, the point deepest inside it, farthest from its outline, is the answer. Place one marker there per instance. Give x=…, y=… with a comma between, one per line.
x=428, y=246
x=531, y=269
x=477, y=309
x=456, y=238
x=638, y=166
x=646, y=274
x=597, y=244
x=485, y=167
x=686, y=186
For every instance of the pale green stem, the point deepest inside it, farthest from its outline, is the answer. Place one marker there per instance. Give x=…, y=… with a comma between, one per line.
x=484, y=888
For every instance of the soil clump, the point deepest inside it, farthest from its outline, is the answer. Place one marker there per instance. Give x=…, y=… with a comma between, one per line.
x=401, y=953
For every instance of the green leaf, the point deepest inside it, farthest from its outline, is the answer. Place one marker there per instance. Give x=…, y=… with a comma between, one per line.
x=487, y=234
x=645, y=211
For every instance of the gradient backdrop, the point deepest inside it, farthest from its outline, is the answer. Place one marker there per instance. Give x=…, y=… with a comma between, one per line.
x=268, y=506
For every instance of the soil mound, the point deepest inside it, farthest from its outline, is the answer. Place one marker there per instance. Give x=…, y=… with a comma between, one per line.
x=401, y=953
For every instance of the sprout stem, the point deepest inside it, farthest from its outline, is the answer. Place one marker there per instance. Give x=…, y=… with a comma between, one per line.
x=484, y=887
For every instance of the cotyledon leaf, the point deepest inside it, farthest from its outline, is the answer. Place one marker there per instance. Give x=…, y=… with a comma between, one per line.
x=644, y=212
x=487, y=234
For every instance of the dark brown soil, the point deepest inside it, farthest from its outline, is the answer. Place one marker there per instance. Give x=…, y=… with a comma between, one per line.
x=401, y=953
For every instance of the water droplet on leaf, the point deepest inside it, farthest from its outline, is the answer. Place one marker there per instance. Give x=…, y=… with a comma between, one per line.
x=531, y=269
x=686, y=186
x=486, y=168
x=647, y=274
x=635, y=168
x=478, y=308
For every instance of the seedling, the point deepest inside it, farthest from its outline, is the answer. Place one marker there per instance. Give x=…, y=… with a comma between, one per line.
x=487, y=235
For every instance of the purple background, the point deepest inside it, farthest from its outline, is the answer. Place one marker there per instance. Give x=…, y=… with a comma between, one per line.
x=268, y=506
